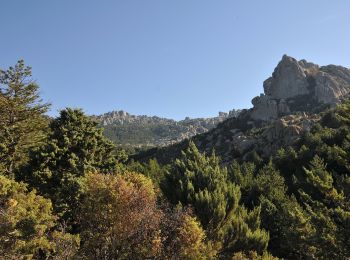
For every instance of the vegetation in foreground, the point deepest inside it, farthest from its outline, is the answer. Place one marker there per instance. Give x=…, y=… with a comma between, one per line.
x=67, y=193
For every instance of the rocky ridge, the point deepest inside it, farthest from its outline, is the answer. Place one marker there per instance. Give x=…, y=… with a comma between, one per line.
x=293, y=97
x=148, y=131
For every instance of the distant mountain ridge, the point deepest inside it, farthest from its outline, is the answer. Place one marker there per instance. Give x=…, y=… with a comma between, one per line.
x=149, y=131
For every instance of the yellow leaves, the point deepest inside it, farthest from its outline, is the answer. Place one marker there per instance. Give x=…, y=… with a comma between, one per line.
x=156, y=243
x=120, y=217
x=191, y=240
x=12, y=203
x=25, y=221
x=191, y=236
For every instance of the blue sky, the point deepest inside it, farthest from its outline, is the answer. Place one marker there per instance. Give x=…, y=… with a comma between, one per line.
x=167, y=58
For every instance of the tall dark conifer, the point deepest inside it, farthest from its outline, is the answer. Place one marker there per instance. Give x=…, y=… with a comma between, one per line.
x=22, y=121
x=75, y=146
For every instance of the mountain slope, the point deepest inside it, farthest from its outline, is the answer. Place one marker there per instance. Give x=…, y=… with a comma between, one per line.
x=293, y=97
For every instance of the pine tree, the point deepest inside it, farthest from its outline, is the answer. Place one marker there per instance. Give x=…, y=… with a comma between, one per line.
x=22, y=121
x=288, y=224
x=317, y=174
x=201, y=182
x=329, y=210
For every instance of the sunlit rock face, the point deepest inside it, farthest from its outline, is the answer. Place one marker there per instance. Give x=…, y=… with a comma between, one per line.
x=294, y=80
x=331, y=84
x=288, y=80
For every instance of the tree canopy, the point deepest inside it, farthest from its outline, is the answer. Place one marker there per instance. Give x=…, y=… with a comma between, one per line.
x=66, y=192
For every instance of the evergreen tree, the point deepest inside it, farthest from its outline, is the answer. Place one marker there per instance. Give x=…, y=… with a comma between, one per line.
x=22, y=121
x=151, y=169
x=288, y=224
x=329, y=210
x=75, y=147
x=317, y=174
x=201, y=182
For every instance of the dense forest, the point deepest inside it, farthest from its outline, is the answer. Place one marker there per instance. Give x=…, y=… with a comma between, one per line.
x=67, y=192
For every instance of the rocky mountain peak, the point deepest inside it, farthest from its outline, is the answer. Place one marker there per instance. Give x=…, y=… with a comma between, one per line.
x=289, y=79
x=302, y=83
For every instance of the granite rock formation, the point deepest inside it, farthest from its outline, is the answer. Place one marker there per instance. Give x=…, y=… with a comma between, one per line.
x=294, y=80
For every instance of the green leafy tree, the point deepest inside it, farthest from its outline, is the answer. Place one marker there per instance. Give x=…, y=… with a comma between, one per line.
x=22, y=121
x=201, y=182
x=75, y=147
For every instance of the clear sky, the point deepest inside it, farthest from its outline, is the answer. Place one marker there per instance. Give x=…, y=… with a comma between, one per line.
x=171, y=58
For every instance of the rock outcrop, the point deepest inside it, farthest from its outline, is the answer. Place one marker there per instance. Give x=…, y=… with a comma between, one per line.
x=284, y=132
x=266, y=108
x=293, y=81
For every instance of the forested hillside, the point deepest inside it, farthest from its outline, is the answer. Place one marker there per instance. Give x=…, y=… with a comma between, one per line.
x=132, y=131
x=255, y=187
